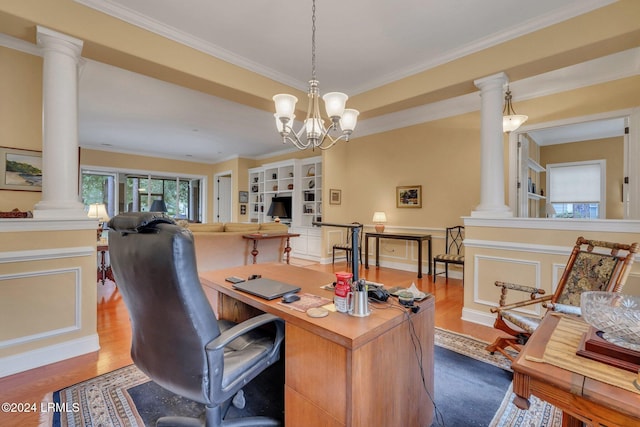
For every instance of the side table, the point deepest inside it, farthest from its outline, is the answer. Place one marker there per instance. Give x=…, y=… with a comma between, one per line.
x=104, y=270
x=256, y=237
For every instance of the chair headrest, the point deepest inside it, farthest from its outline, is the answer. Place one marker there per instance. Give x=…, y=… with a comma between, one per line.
x=138, y=222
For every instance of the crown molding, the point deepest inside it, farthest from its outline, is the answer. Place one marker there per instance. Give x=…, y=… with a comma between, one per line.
x=608, y=68
x=513, y=32
x=139, y=20
x=132, y=17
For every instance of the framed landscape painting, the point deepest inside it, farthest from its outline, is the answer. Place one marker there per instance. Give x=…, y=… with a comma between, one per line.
x=20, y=169
x=409, y=196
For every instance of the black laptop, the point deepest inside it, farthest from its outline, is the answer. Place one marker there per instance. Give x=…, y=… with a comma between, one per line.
x=266, y=288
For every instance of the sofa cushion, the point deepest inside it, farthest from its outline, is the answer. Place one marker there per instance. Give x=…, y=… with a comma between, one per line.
x=213, y=227
x=273, y=227
x=245, y=228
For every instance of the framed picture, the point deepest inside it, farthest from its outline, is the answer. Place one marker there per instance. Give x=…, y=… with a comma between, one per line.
x=243, y=197
x=20, y=169
x=409, y=196
x=335, y=197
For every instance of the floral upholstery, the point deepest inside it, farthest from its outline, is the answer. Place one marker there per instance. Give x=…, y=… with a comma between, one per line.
x=590, y=272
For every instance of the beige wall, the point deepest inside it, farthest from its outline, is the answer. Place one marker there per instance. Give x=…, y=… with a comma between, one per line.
x=609, y=149
x=20, y=115
x=530, y=252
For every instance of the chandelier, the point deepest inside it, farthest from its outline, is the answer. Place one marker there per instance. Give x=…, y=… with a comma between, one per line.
x=313, y=133
x=510, y=119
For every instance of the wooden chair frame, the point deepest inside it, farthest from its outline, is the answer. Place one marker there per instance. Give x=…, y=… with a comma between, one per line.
x=348, y=246
x=454, y=238
x=617, y=280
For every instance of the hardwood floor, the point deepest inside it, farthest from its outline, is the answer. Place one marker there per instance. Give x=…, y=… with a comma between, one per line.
x=114, y=332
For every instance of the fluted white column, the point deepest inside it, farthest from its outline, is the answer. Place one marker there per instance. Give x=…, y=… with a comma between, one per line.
x=491, y=148
x=60, y=156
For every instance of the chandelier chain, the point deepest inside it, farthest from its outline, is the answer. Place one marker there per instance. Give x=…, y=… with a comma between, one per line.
x=313, y=40
x=314, y=133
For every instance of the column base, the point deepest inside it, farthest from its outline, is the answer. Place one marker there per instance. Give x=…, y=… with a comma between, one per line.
x=59, y=210
x=492, y=212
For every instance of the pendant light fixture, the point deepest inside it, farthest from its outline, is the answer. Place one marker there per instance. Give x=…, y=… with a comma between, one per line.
x=313, y=133
x=510, y=119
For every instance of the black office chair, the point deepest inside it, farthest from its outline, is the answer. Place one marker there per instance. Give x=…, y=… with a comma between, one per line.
x=348, y=246
x=176, y=339
x=454, y=251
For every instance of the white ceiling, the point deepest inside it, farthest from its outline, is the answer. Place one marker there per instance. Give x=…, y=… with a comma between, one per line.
x=360, y=45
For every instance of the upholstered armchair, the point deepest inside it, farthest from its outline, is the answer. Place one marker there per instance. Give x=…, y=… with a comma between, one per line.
x=592, y=266
x=176, y=339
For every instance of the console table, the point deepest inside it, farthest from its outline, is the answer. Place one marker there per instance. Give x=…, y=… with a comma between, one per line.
x=581, y=397
x=340, y=370
x=418, y=238
x=256, y=237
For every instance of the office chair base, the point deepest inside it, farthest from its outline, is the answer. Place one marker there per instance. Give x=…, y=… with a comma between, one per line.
x=199, y=422
x=214, y=416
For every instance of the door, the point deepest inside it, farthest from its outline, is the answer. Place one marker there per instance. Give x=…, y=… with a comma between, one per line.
x=223, y=198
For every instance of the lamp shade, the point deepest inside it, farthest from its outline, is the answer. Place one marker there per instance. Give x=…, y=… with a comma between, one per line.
x=280, y=124
x=277, y=209
x=334, y=103
x=379, y=218
x=513, y=122
x=285, y=105
x=349, y=119
x=98, y=211
x=158, y=205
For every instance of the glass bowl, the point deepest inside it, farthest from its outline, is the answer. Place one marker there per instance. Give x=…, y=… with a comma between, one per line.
x=615, y=314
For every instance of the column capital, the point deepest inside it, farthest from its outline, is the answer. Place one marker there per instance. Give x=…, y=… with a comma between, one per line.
x=492, y=81
x=50, y=39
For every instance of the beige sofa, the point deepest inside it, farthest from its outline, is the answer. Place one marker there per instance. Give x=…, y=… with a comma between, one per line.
x=221, y=245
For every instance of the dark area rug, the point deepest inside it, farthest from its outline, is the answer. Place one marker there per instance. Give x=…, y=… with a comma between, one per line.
x=468, y=392
x=264, y=397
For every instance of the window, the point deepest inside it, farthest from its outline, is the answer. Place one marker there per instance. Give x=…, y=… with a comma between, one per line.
x=577, y=189
x=181, y=195
x=135, y=192
x=99, y=187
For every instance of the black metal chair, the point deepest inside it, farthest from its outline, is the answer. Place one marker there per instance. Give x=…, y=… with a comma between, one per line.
x=348, y=246
x=176, y=339
x=454, y=238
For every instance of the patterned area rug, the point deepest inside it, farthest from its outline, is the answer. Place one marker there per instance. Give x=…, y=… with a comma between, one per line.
x=539, y=414
x=105, y=400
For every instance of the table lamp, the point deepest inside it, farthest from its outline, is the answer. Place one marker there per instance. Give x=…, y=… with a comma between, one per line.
x=99, y=212
x=379, y=218
x=158, y=205
x=277, y=210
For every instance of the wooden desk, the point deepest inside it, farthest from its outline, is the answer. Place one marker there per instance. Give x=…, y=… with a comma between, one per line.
x=419, y=238
x=104, y=269
x=256, y=237
x=340, y=370
x=581, y=399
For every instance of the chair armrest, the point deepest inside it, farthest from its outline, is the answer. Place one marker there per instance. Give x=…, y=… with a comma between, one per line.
x=242, y=328
x=521, y=288
x=513, y=286
x=521, y=304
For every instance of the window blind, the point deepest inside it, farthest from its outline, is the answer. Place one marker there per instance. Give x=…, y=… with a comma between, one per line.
x=575, y=183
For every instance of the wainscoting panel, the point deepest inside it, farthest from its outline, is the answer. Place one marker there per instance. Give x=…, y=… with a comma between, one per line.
x=41, y=291
x=489, y=269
